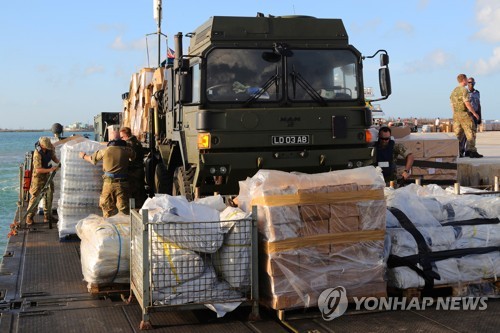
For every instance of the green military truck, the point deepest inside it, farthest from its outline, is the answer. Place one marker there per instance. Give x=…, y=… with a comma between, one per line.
x=283, y=93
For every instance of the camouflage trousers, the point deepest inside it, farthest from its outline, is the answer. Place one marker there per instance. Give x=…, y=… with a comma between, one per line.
x=114, y=198
x=37, y=184
x=463, y=125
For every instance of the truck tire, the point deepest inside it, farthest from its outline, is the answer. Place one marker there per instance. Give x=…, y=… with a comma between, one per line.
x=163, y=179
x=182, y=182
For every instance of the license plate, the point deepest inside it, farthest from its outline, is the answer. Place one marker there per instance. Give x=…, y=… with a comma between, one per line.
x=291, y=140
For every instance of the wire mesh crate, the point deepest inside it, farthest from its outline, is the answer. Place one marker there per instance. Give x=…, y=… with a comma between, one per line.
x=185, y=265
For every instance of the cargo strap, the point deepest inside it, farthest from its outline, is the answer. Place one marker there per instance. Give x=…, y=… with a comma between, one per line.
x=472, y=222
x=425, y=256
x=423, y=252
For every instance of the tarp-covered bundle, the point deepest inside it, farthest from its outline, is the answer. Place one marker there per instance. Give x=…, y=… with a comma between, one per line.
x=318, y=231
x=105, y=249
x=436, y=237
x=81, y=186
x=195, y=253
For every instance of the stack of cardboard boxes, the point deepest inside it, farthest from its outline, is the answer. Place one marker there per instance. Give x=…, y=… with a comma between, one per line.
x=143, y=85
x=432, y=147
x=315, y=238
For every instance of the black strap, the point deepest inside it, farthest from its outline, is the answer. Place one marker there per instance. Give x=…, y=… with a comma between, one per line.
x=397, y=261
x=423, y=250
x=472, y=222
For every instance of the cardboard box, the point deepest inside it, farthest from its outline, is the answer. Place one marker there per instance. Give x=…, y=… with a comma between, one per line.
x=344, y=224
x=400, y=132
x=276, y=263
x=340, y=210
x=441, y=144
x=313, y=228
x=414, y=145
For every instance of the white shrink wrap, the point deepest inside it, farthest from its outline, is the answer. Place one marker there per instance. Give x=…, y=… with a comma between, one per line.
x=482, y=235
x=171, y=265
x=81, y=186
x=189, y=225
x=233, y=259
x=105, y=249
x=479, y=266
x=405, y=277
x=437, y=238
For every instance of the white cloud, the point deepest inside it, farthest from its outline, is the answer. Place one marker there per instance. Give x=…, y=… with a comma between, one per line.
x=435, y=59
x=488, y=16
x=119, y=44
x=490, y=65
x=404, y=27
x=93, y=70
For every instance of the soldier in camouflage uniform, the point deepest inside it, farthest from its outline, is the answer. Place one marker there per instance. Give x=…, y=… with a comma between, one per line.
x=115, y=189
x=42, y=156
x=136, y=167
x=387, y=152
x=462, y=122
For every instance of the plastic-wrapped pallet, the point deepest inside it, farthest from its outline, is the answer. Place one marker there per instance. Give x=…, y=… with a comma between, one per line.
x=81, y=186
x=318, y=231
x=105, y=249
x=458, y=235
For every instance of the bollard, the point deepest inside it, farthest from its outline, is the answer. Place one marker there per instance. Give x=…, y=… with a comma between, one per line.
x=496, y=184
x=457, y=188
x=418, y=181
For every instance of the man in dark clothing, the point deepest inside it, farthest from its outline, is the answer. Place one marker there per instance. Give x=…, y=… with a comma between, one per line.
x=136, y=167
x=387, y=152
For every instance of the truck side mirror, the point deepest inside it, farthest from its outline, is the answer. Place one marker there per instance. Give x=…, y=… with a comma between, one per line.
x=384, y=60
x=385, y=81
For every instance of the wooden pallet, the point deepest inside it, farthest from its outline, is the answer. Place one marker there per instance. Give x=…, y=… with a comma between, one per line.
x=448, y=290
x=109, y=288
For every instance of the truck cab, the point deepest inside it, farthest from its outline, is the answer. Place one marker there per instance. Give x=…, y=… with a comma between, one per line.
x=283, y=93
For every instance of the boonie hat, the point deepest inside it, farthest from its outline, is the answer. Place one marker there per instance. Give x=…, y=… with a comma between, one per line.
x=45, y=143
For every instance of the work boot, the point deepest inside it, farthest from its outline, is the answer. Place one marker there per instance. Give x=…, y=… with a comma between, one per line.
x=475, y=154
x=29, y=220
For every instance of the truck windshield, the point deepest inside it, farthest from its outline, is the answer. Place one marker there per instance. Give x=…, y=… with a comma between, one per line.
x=330, y=73
x=247, y=75
x=240, y=74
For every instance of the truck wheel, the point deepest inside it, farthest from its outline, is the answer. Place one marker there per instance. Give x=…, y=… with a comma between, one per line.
x=163, y=179
x=182, y=182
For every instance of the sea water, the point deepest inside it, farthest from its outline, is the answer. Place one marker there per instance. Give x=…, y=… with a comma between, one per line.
x=13, y=147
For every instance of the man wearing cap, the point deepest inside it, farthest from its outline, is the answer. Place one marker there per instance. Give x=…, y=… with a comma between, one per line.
x=44, y=153
x=462, y=122
x=115, y=189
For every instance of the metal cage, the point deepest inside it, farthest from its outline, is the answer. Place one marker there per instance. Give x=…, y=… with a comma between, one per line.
x=185, y=265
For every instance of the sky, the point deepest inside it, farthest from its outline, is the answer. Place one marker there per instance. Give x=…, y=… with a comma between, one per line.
x=67, y=61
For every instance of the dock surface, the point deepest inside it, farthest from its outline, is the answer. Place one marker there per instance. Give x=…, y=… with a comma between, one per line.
x=42, y=290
